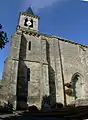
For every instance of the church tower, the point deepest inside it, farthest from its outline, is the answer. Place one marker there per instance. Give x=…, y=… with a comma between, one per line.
x=26, y=68
x=29, y=66
x=40, y=65
x=22, y=64
x=28, y=20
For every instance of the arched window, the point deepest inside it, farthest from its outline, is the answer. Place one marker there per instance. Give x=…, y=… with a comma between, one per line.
x=25, y=23
x=28, y=23
x=77, y=86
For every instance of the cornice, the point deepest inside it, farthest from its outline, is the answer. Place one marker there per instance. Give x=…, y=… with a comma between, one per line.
x=34, y=16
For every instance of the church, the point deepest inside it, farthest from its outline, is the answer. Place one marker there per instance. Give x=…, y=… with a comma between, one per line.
x=41, y=65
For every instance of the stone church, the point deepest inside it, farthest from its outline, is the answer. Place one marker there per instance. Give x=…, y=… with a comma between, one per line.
x=40, y=65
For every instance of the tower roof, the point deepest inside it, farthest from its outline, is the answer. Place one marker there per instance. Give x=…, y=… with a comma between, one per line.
x=29, y=11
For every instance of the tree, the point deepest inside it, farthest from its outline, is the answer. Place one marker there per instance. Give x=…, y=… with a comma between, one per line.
x=3, y=38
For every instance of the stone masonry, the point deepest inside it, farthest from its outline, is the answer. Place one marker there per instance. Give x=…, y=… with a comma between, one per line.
x=40, y=65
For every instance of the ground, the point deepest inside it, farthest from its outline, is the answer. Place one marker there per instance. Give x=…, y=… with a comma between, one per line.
x=18, y=117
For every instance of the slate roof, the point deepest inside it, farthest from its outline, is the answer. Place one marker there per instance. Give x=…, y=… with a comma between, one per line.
x=29, y=10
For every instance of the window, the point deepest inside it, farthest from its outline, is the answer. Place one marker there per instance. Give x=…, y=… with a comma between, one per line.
x=25, y=23
x=29, y=46
x=28, y=23
x=77, y=85
x=28, y=74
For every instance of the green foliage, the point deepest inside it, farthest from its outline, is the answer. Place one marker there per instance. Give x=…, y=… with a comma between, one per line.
x=3, y=38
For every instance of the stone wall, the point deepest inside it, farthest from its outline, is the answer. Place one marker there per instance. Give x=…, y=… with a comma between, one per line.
x=74, y=61
x=15, y=45
x=22, y=19
x=9, y=81
x=9, y=78
x=51, y=62
x=55, y=77
x=36, y=61
x=44, y=54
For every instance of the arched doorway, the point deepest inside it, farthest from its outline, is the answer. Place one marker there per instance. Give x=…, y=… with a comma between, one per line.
x=77, y=86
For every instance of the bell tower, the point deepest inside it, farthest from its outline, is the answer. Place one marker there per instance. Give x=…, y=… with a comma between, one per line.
x=28, y=20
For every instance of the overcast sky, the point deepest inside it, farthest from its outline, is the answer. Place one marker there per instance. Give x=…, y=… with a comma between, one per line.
x=64, y=18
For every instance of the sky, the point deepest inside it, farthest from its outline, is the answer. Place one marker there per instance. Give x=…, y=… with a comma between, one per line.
x=63, y=18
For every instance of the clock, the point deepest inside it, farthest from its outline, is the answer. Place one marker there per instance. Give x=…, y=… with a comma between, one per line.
x=28, y=23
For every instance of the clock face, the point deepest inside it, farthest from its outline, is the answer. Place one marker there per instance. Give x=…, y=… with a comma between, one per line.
x=29, y=23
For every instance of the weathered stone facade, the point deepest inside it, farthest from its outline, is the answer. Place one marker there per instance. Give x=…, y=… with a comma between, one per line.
x=40, y=65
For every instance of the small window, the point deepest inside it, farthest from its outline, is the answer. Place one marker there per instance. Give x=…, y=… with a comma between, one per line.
x=29, y=46
x=28, y=74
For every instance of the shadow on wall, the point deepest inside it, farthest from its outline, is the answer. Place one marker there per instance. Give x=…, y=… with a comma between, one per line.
x=23, y=47
x=22, y=81
x=22, y=86
x=51, y=73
